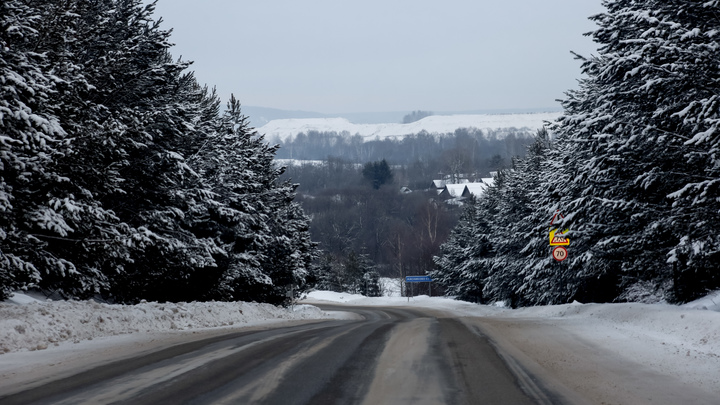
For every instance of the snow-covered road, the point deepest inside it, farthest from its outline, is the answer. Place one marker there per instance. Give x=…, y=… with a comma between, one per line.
x=613, y=353
x=599, y=353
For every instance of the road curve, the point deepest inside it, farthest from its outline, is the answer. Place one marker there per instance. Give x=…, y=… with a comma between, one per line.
x=389, y=356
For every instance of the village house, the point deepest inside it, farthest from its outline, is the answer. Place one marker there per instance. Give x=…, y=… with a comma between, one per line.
x=455, y=194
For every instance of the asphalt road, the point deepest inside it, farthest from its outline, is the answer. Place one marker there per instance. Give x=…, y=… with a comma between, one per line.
x=390, y=356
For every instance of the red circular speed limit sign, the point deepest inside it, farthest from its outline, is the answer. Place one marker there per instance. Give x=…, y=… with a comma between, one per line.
x=560, y=253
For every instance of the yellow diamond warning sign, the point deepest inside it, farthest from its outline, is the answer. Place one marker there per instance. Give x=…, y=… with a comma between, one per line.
x=558, y=239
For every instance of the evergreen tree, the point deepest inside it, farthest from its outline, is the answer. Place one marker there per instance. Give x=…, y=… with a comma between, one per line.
x=30, y=137
x=370, y=286
x=377, y=173
x=633, y=169
x=263, y=233
x=146, y=115
x=359, y=276
x=461, y=267
x=327, y=278
x=522, y=272
x=643, y=122
x=114, y=167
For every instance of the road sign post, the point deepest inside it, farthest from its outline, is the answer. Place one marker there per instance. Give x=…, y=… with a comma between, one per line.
x=559, y=253
x=291, y=295
x=417, y=279
x=558, y=239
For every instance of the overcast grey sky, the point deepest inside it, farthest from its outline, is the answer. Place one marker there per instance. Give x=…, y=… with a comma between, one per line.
x=334, y=56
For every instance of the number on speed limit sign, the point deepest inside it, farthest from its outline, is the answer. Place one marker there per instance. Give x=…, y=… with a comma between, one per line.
x=560, y=253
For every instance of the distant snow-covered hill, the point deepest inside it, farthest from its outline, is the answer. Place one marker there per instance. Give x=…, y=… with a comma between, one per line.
x=285, y=128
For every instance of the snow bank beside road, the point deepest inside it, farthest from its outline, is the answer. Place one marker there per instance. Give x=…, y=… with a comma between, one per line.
x=710, y=302
x=690, y=330
x=28, y=324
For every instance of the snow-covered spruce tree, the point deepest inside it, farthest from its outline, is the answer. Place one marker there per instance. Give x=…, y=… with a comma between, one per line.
x=30, y=137
x=165, y=194
x=146, y=114
x=522, y=202
x=48, y=213
x=359, y=275
x=644, y=123
x=100, y=119
x=463, y=262
x=371, y=284
x=263, y=233
x=324, y=276
x=290, y=253
x=544, y=174
x=90, y=245
x=504, y=250
x=687, y=38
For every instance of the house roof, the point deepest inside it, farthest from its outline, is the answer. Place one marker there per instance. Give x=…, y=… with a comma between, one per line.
x=476, y=189
x=455, y=190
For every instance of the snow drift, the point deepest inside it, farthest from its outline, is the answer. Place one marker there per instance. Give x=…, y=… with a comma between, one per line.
x=29, y=324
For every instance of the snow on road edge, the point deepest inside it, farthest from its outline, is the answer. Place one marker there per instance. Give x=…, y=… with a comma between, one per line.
x=29, y=324
x=682, y=341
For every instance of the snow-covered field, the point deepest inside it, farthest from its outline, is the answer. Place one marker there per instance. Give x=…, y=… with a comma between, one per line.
x=285, y=128
x=680, y=341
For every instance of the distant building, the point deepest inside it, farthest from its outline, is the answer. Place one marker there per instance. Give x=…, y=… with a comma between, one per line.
x=438, y=184
x=455, y=194
x=476, y=189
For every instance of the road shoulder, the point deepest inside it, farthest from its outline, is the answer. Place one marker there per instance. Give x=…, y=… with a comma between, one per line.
x=579, y=370
x=20, y=371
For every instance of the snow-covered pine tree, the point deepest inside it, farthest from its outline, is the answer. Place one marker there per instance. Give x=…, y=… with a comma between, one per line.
x=90, y=247
x=522, y=271
x=685, y=62
x=290, y=253
x=99, y=126
x=30, y=137
x=644, y=123
x=48, y=211
x=359, y=275
x=545, y=173
x=371, y=284
x=461, y=267
x=96, y=189
x=153, y=115
x=264, y=234
x=325, y=276
x=634, y=169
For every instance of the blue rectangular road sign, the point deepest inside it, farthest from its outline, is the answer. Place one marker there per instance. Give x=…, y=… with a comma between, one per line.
x=417, y=279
